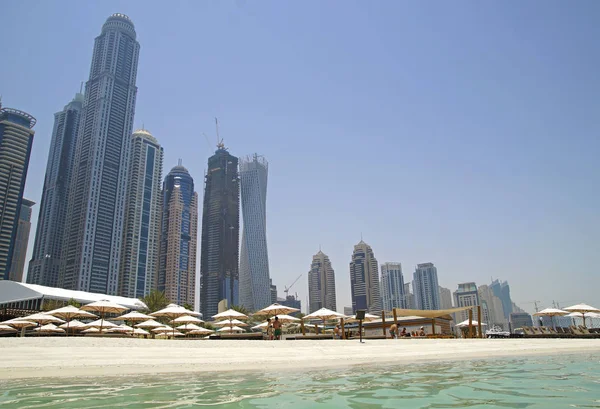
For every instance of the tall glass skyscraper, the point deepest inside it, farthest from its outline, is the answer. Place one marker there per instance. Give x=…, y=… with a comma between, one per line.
x=502, y=291
x=392, y=286
x=364, y=279
x=219, y=257
x=179, y=237
x=17, y=266
x=96, y=210
x=141, y=242
x=426, y=287
x=255, y=291
x=16, y=138
x=46, y=258
x=321, y=284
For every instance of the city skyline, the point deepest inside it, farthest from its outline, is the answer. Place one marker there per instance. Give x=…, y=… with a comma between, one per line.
x=458, y=248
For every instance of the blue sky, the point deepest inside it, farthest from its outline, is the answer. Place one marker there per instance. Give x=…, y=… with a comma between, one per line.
x=461, y=133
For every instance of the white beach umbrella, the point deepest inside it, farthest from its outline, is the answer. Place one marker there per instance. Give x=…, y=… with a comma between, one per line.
x=19, y=324
x=276, y=309
x=121, y=328
x=188, y=327
x=43, y=319
x=91, y=330
x=133, y=316
x=149, y=324
x=229, y=323
x=73, y=325
x=551, y=312
x=368, y=318
x=584, y=309
x=104, y=307
x=163, y=329
x=230, y=329
x=201, y=331
x=187, y=319
x=324, y=314
x=173, y=311
x=261, y=326
x=101, y=323
x=139, y=331
x=230, y=315
x=70, y=312
x=465, y=323
x=49, y=328
x=7, y=328
x=286, y=319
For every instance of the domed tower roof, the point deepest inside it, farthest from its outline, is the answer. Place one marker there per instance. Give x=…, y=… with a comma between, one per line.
x=144, y=133
x=119, y=21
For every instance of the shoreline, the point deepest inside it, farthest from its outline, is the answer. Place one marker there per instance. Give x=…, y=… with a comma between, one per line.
x=25, y=358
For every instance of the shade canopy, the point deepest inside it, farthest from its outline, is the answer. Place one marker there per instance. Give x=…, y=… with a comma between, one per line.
x=49, y=328
x=6, y=328
x=43, y=319
x=100, y=324
x=188, y=327
x=201, y=331
x=74, y=324
x=276, y=309
x=69, y=312
x=230, y=329
x=149, y=324
x=445, y=314
x=324, y=314
x=187, y=319
x=228, y=323
x=583, y=308
x=230, y=315
x=551, y=312
x=173, y=311
x=465, y=323
x=105, y=307
x=133, y=316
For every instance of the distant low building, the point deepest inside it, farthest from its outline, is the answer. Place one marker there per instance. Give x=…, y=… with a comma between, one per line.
x=291, y=301
x=348, y=311
x=520, y=320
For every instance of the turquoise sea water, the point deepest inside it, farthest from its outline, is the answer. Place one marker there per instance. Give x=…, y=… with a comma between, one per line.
x=550, y=382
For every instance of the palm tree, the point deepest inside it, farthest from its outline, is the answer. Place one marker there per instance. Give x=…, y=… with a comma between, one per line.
x=241, y=309
x=188, y=306
x=155, y=300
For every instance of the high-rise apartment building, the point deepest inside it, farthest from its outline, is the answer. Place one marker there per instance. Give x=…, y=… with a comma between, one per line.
x=219, y=258
x=364, y=279
x=16, y=138
x=426, y=287
x=321, y=284
x=272, y=293
x=409, y=297
x=520, y=320
x=445, y=298
x=93, y=233
x=47, y=248
x=392, y=286
x=491, y=308
x=502, y=291
x=466, y=296
x=24, y=226
x=179, y=237
x=143, y=213
x=254, y=257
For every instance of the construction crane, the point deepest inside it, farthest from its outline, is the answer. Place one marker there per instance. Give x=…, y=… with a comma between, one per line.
x=287, y=288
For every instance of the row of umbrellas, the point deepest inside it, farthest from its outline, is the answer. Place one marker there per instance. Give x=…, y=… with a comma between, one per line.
x=575, y=311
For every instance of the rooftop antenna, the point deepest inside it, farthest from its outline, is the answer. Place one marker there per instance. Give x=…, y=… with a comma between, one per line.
x=179, y=162
x=81, y=88
x=220, y=144
x=361, y=239
x=319, y=247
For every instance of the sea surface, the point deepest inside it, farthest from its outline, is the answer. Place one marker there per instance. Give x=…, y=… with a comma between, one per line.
x=571, y=381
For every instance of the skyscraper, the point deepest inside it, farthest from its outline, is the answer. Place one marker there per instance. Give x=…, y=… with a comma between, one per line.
x=502, y=291
x=409, y=298
x=254, y=258
x=179, y=237
x=24, y=226
x=426, y=287
x=445, y=298
x=392, y=286
x=364, y=279
x=46, y=257
x=321, y=284
x=143, y=212
x=491, y=306
x=219, y=257
x=16, y=138
x=272, y=293
x=96, y=210
x=466, y=296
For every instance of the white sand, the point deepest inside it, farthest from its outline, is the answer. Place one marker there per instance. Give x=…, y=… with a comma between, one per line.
x=44, y=357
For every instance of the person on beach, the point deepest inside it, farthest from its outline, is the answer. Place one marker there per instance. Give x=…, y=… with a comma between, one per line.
x=269, y=330
x=337, y=332
x=422, y=332
x=403, y=333
x=394, y=331
x=277, y=328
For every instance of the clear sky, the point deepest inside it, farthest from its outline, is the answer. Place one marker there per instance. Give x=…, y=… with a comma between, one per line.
x=466, y=134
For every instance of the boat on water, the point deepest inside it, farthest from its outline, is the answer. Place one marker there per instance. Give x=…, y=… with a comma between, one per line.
x=497, y=332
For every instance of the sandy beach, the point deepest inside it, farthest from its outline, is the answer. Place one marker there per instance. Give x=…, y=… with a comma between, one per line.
x=66, y=357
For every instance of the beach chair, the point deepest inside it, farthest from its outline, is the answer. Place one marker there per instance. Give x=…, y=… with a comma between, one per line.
x=584, y=329
x=537, y=331
x=528, y=331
